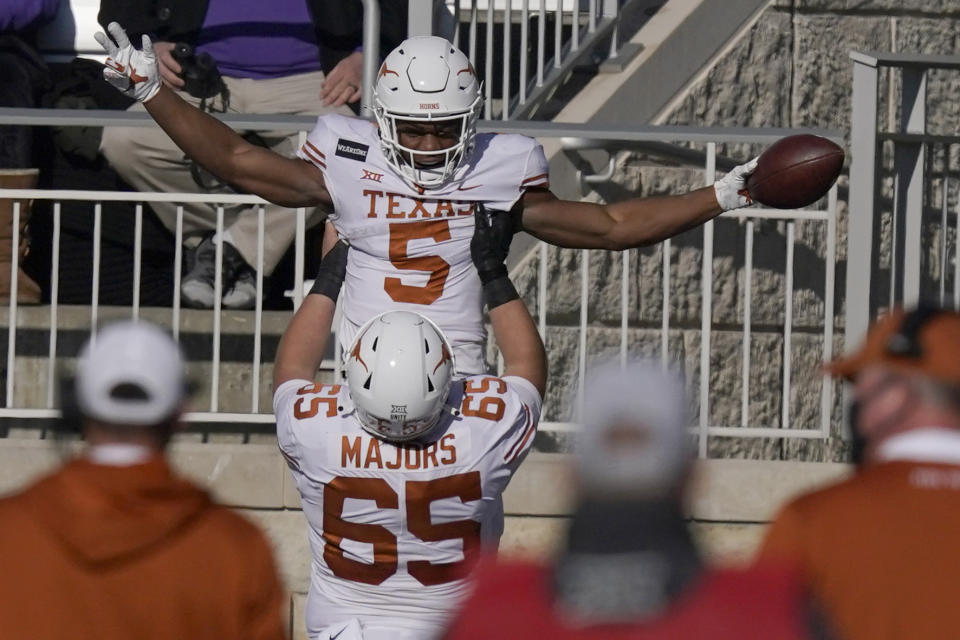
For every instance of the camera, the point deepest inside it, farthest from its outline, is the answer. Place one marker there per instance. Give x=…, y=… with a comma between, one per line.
x=199, y=72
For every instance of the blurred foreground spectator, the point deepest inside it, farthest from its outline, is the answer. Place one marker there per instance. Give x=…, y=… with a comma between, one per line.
x=880, y=549
x=629, y=568
x=113, y=545
x=23, y=78
x=291, y=57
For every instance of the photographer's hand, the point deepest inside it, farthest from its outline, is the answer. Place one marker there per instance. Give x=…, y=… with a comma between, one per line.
x=343, y=83
x=170, y=69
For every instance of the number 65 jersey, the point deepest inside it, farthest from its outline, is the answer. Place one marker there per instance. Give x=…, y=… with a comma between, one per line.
x=394, y=528
x=410, y=249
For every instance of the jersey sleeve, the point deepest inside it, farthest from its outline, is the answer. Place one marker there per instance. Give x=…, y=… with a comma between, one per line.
x=316, y=149
x=313, y=148
x=518, y=164
x=519, y=437
x=526, y=393
x=507, y=411
x=283, y=400
x=536, y=171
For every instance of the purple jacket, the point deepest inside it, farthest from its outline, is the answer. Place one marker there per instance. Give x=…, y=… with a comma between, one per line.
x=20, y=15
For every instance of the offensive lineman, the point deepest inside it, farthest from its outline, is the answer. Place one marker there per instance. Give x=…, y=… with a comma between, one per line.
x=403, y=190
x=402, y=468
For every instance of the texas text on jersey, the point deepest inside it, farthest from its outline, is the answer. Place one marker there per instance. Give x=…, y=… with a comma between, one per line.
x=394, y=527
x=410, y=248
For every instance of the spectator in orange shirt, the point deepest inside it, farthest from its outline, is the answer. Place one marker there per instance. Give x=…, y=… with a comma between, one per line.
x=113, y=545
x=880, y=549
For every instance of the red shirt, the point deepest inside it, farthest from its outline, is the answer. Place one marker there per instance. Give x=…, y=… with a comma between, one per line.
x=515, y=600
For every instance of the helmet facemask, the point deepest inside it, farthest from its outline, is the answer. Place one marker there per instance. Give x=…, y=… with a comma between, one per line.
x=401, y=158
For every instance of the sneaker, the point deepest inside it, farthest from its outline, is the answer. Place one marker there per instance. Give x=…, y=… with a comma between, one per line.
x=196, y=289
x=243, y=293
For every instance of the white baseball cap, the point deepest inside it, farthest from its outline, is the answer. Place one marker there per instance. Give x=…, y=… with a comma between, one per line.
x=131, y=374
x=633, y=439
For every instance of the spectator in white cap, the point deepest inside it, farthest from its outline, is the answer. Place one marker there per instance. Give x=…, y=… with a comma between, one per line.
x=113, y=544
x=130, y=390
x=629, y=568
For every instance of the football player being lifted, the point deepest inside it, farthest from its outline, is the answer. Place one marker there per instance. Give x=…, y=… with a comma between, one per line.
x=403, y=189
x=402, y=467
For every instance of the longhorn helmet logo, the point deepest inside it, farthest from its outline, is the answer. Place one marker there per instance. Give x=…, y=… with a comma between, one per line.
x=384, y=70
x=445, y=356
x=355, y=354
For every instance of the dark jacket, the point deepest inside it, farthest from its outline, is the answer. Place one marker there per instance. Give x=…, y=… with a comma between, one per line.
x=337, y=23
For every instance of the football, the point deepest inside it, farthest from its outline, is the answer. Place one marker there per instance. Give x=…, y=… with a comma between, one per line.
x=795, y=171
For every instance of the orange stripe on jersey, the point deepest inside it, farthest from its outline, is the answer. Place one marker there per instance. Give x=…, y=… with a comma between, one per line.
x=542, y=176
x=528, y=431
x=315, y=160
x=314, y=149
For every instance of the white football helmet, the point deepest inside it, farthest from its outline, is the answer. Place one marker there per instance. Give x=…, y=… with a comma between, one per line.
x=426, y=79
x=399, y=371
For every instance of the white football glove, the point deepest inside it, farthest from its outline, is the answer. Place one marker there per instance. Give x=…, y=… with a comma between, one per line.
x=133, y=72
x=731, y=189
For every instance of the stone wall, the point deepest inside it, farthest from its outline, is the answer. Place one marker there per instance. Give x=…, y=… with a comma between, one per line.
x=790, y=69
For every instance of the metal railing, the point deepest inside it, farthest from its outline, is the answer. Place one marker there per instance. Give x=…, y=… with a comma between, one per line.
x=694, y=143
x=911, y=212
x=653, y=141
x=96, y=200
x=554, y=36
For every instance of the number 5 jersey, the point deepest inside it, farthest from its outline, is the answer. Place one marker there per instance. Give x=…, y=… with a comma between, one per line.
x=410, y=249
x=394, y=528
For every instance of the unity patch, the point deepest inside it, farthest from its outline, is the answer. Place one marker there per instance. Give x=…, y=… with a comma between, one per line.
x=352, y=150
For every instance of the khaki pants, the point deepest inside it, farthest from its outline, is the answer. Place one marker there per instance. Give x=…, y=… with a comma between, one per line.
x=149, y=161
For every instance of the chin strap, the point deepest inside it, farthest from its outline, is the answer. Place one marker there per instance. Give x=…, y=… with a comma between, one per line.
x=454, y=411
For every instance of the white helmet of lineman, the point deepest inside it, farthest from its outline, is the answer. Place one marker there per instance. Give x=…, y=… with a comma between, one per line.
x=399, y=371
x=426, y=79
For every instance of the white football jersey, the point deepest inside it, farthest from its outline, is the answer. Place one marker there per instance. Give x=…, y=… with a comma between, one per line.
x=395, y=527
x=410, y=249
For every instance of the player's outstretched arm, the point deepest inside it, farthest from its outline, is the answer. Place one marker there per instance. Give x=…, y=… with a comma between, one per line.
x=212, y=144
x=631, y=223
x=304, y=342
x=516, y=334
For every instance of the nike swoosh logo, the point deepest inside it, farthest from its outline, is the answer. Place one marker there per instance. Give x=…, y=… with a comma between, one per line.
x=476, y=186
x=337, y=635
